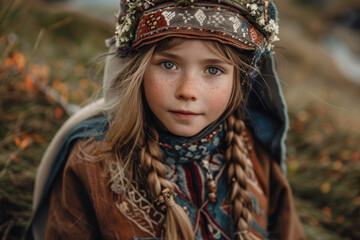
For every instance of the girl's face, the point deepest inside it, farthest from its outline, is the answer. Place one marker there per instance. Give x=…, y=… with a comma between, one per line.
x=188, y=86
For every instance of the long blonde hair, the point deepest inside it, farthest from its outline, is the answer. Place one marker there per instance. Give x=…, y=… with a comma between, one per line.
x=134, y=153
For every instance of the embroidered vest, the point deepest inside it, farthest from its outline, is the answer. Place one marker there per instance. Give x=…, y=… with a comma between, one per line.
x=210, y=220
x=182, y=158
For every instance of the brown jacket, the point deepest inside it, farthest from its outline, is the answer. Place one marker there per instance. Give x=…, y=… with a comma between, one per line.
x=83, y=205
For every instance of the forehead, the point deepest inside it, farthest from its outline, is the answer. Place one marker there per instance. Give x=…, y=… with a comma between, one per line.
x=181, y=45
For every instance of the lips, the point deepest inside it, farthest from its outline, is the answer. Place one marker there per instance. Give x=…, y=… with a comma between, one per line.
x=184, y=115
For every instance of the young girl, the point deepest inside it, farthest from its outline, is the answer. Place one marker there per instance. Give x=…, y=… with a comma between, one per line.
x=188, y=142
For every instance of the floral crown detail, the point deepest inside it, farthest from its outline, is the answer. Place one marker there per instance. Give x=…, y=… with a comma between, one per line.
x=248, y=24
x=259, y=16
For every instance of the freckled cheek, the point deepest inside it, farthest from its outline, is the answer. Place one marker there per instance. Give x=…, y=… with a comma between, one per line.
x=155, y=90
x=219, y=98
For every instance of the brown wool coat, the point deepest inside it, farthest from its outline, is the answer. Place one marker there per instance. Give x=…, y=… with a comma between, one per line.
x=83, y=205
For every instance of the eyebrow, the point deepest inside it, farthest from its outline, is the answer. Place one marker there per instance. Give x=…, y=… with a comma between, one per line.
x=207, y=60
x=167, y=55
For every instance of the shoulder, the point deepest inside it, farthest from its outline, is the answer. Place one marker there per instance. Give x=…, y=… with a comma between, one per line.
x=95, y=127
x=84, y=159
x=83, y=173
x=80, y=153
x=84, y=150
x=83, y=141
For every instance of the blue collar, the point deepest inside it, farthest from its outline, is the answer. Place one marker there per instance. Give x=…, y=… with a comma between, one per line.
x=182, y=150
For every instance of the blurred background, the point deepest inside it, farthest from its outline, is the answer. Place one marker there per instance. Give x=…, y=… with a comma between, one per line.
x=50, y=66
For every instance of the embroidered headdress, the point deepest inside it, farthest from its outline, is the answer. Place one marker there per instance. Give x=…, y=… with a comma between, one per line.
x=246, y=24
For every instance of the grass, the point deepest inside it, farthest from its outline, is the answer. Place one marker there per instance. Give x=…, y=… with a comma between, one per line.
x=55, y=48
x=323, y=166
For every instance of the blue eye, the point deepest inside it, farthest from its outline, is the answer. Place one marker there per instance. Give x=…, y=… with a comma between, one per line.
x=168, y=65
x=213, y=71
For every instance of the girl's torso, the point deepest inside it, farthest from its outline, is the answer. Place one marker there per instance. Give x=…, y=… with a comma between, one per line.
x=113, y=212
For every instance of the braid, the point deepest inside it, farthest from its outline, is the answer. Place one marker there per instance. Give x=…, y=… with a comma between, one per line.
x=177, y=224
x=236, y=157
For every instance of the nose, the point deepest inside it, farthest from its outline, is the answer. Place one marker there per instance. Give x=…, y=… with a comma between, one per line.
x=187, y=88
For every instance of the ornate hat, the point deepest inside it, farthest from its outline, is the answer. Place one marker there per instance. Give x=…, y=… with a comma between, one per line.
x=246, y=24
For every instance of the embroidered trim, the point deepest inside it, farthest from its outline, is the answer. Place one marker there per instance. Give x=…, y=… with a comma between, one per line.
x=255, y=12
x=178, y=150
x=198, y=19
x=188, y=145
x=142, y=212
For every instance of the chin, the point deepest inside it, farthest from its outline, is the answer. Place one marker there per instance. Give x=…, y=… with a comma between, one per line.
x=184, y=132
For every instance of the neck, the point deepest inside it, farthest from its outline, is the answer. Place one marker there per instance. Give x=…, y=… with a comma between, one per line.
x=165, y=133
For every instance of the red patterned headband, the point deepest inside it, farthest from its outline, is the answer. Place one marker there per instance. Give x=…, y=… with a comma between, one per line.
x=240, y=23
x=208, y=21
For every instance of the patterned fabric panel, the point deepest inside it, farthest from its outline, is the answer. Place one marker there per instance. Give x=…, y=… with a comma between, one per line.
x=198, y=19
x=179, y=150
x=209, y=219
x=133, y=203
x=258, y=223
x=212, y=220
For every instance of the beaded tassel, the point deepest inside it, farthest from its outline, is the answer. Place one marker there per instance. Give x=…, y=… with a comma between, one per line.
x=165, y=199
x=210, y=182
x=212, y=186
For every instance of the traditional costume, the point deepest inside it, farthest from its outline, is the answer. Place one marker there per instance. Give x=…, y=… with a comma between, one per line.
x=88, y=207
